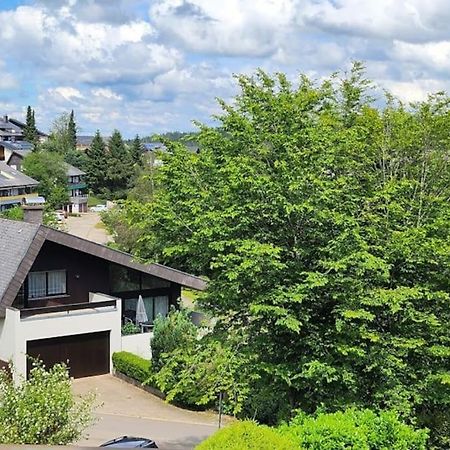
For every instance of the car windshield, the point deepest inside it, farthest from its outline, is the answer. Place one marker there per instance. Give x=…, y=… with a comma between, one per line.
x=128, y=443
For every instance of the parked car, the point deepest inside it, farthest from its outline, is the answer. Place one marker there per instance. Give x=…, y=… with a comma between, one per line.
x=98, y=208
x=130, y=442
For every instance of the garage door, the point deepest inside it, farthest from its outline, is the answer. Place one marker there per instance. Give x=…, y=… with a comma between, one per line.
x=85, y=354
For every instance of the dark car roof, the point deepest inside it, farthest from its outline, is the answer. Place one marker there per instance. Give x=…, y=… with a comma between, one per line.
x=130, y=442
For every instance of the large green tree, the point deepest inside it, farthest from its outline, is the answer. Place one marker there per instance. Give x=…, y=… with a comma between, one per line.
x=50, y=170
x=72, y=131
x=120, y=171
x=322, y=224
x=97, y=163
x=30, y=132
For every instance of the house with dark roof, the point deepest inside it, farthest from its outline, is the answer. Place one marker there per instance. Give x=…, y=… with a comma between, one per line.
x=63, y=298
x=21, y=126
x=14, y=153
x=17, y=188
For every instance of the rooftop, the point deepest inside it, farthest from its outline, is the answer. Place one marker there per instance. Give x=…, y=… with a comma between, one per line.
x=10, y=177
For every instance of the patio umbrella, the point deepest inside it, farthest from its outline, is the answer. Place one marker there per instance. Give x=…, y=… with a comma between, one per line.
x=141, y=313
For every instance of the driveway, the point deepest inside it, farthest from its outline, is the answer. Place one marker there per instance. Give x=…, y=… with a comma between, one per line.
x=128, y=410
x=88, y=226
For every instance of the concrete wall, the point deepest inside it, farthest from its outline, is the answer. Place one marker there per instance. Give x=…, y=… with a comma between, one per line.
x=139, y=344
x=15, y=331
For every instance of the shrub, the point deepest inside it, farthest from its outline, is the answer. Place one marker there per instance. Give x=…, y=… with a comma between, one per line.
x=247, y=435
x=171, y=332
x=42, y=409
x=354, y=430
x=130, y=328
x=132, y=366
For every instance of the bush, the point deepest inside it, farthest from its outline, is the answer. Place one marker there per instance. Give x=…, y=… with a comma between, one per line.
x=42, y=409
x=247, y=435
x=130, y=328
x=354, y=430
x=176, y=331
x=132, y=366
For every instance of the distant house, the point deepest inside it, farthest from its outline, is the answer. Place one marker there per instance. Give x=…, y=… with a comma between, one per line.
x=84, y=142
x=78, y=193
x=41, y=135
x=17, y=188
x=63, y=298
x=12, y=130
x=14, y=152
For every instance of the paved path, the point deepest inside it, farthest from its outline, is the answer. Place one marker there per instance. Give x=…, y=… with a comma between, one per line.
x=87, y=226
x=128, y=410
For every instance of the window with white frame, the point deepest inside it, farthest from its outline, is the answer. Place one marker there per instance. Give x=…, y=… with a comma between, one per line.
x=45, y=284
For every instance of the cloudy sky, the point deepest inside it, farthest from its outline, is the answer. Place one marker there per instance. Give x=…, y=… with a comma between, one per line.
x=146, y=66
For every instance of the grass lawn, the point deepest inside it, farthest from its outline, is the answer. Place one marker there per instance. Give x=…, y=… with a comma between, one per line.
x=93, y=200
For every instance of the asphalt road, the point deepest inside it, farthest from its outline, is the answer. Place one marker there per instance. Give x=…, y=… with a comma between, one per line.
x=87, y=226
x=128, y=410
x=168, y=435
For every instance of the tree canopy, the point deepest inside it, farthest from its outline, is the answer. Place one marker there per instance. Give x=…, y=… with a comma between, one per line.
x=321, y=222
x=50, y=170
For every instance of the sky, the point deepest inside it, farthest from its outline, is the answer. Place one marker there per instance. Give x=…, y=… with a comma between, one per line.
x=150, y=66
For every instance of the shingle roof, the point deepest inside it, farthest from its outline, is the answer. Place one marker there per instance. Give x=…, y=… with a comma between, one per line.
x=22, y=248
x=16, y=238
x=73, y=171
x=10, y=177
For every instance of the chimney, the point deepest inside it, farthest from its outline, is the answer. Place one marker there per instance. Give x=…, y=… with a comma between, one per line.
x=5, y=118
x=33, y=213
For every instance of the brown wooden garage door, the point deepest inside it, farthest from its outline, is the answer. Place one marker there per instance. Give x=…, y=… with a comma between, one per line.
x=85, y=354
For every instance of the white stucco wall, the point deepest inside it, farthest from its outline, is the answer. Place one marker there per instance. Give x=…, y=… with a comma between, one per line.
x=16, y=332
x=139, y=344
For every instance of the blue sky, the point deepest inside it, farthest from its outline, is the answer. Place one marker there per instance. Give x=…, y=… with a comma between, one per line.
x=146, y=66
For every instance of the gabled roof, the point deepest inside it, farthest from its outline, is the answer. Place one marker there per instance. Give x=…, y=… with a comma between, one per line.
x=22, y=125
x=73, y=171
x=21, y=243
x=10, y=177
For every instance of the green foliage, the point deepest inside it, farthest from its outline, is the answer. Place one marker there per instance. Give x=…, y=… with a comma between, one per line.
x=132, y=366
x=354, y=430
x=42, y=409
x=130, y=328
x=61, y=139
x=110, y=169
x=30, y=132
x=72, y=132
x=97, y=162
x=247, y=436
x=136, y=150
x=15, y=213
x=49, y=169
x=195, y=375
x=175, y=331
x=322, y=225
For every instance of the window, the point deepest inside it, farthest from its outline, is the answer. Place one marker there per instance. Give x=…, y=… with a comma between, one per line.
x=45, y=284
x=124, y=279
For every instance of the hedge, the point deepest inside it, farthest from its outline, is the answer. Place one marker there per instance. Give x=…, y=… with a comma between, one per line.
x=247, y=435
x=132, y=366
x=354, y=429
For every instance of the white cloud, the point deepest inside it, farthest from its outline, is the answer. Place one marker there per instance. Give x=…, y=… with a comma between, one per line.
x=106, y=93
x=66, y=92
x=233, y=28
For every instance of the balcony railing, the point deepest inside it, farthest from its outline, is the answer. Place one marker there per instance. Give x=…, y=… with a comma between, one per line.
x=77, y=199
x=28, y=312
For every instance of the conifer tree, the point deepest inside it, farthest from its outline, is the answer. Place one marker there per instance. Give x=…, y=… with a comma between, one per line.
x=120, y=171
x=97, y=163
x=136, y=150
x=30, y=130
x=72, y=131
